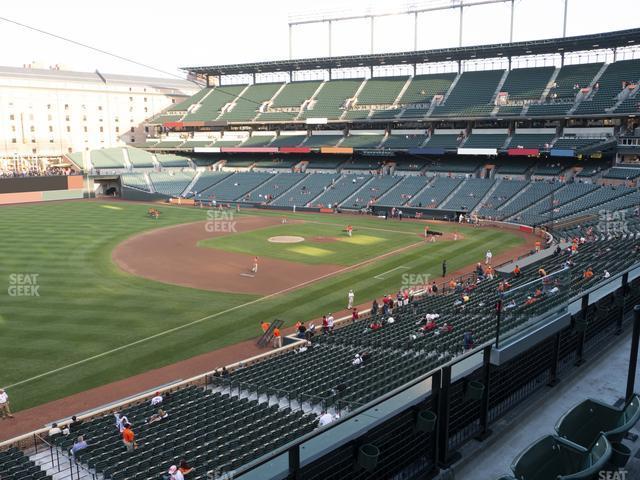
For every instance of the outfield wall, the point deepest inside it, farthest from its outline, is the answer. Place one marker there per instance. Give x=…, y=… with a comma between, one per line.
x=41, y=189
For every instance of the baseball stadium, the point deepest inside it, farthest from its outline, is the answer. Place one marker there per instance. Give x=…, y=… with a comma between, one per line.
x=411, y=264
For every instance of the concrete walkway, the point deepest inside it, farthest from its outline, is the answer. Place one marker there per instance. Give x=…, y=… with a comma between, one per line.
x=604, y=378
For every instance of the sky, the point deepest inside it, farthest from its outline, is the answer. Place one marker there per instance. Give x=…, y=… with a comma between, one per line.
x=167, y=34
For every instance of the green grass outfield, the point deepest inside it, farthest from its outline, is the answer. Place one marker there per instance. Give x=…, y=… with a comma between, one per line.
x=86, y=306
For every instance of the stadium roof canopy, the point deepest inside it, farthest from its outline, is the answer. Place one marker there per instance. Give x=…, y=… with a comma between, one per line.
x=621, y=38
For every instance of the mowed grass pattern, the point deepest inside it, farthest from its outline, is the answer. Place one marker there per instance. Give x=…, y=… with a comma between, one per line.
x=366, y=242
x=87, y=306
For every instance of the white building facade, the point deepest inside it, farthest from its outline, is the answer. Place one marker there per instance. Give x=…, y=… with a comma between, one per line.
x=47, y=113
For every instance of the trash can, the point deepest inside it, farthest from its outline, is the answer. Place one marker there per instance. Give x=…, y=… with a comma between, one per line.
x=620, y=454
x=426, y=421
x=475, y=390
x=368, y=457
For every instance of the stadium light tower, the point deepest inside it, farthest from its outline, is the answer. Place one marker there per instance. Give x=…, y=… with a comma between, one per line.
x=414, y=8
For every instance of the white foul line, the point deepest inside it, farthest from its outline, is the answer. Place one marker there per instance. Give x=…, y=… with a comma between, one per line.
x=380, y=276
x=209, y=317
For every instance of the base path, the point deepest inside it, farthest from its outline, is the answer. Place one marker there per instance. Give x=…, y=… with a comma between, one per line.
x=171, y=255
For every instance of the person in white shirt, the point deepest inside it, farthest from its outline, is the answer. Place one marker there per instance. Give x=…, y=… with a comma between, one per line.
x=5, y=411
x=606, y=274
x=357, y=360
x=174, y=473
x=325, y=419
x=330, y=321
x=54, y=430
x=157, y=399
x=488, y=257
x=350, y=298
x=121, y=421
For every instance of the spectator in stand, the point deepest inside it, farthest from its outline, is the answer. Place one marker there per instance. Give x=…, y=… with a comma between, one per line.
x=467, y=340
x=264, y=325
x=78, y=445
x=184, y=467
x=375, y=326
x=354, y=315
x=434, y=288
x=128, y=438
x=325, y=325
x=516, y=271
x=587, y=274
x=374, y=307
x=175, y=473
x=606, y=274
x=156, y=417
x=5, y=410
x=74, y=426
x=311, y=331
x=54, y=431
x=277, y=338
x=330, y=323
x=157, y=399
x=542, y=272
x=121, y=421
x=325, y=419
x=357, y=360
x=302, y=331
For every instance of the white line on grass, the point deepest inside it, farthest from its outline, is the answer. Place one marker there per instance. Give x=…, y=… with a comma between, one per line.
x=209, y=317
x=380, y=276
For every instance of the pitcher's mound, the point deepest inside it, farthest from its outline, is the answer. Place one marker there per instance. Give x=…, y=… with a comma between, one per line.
x=286, y=239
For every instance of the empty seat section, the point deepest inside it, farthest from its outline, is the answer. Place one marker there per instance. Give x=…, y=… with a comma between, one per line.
x=403, y=142
x=286, y=105
x=610, y=84
x=420, y=92
x=439, y=189
x=541, y=141
x=505, y=190
x=471, y=95
x=469, y=194
x=404, y=190
x=170, y=160
x=338, y=191
x=135, y=180
x=362, y=141
x=371, y=192
x=247, y=106
x=107, y=158
x=288, y=140
x=140, y=158
x=527, y=83
x=237, y=187
x=446, y=141
x=331, y=98
x=317, y=141
x=206, y=180
x=209, y=107
x=171, y=184
x=304, y=192
x=486, y=140
x=274, y=187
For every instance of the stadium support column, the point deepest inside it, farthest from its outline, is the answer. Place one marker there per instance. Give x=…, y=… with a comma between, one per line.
x=582, y=334
x=294, y=462
x=290, y=42
x=633, y=358
x=564, y=22
x=415, y=32
x=484, y=403
x=443, y=418
x=329, y=23
x=460, y=28
x=372, y=20
x=511, y=25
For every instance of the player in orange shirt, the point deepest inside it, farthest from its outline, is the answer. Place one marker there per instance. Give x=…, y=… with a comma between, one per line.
x=277, y=338
x=349, y=230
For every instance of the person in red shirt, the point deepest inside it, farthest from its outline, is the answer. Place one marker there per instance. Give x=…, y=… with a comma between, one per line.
x=349, y=230
x=325, y=325
x=355, y=315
